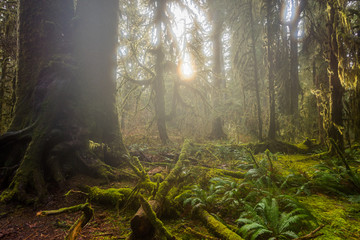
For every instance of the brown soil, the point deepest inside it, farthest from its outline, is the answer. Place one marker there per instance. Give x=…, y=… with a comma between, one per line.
x=21, y=223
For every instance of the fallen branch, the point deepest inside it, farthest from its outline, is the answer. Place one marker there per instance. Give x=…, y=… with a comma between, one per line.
x=312, y=235
x=76, y=228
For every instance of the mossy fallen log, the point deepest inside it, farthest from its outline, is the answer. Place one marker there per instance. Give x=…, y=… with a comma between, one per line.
x=170, y=180
x=218, y=228
x=112, y=196
x=140, y=224
x=163, y=233
x=199, y=234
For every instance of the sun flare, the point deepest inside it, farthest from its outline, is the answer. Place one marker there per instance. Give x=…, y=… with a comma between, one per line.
x=186, y=69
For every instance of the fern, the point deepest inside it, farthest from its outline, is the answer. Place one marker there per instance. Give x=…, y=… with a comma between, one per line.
x=201, y=198
x=266, y=220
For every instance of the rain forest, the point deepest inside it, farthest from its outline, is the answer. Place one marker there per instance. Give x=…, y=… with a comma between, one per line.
x=180, y=119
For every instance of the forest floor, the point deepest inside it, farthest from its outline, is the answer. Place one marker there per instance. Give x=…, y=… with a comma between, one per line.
x=339, y=213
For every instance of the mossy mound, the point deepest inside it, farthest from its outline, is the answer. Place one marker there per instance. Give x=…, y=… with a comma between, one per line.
x=340, y=217
x=308, y=146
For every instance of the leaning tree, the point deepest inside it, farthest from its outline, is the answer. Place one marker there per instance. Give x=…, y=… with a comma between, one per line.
x=65, y=119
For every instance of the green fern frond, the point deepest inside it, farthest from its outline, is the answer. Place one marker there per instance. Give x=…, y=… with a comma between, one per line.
x=259, y=232
x=290, y=234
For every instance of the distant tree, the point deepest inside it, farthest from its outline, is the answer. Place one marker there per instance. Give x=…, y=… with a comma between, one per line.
x=270, y=33
x=246, y=55
x=159, y=85
x=65, y=97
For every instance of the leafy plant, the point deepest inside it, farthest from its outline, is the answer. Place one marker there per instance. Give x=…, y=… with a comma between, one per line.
x=267, y=220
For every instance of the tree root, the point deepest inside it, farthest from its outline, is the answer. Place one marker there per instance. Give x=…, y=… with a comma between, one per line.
x=76, y=228
x=28, y=176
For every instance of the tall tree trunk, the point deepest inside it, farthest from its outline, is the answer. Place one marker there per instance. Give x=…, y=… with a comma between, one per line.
x=294, y=62
x=271, y=77
x=256, y=71
x=219, y=82
x=64, y=106
x=159, y=86
x=335, y=87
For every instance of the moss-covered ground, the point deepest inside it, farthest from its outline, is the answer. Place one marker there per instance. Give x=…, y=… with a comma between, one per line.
x=338, y=211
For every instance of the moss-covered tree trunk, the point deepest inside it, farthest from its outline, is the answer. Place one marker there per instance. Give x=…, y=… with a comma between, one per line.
x=63, y=107
x=335, y=87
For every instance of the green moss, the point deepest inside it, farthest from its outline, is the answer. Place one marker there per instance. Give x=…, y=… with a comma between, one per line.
x=335, y=215
x=110, y=196
x=300, y=163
